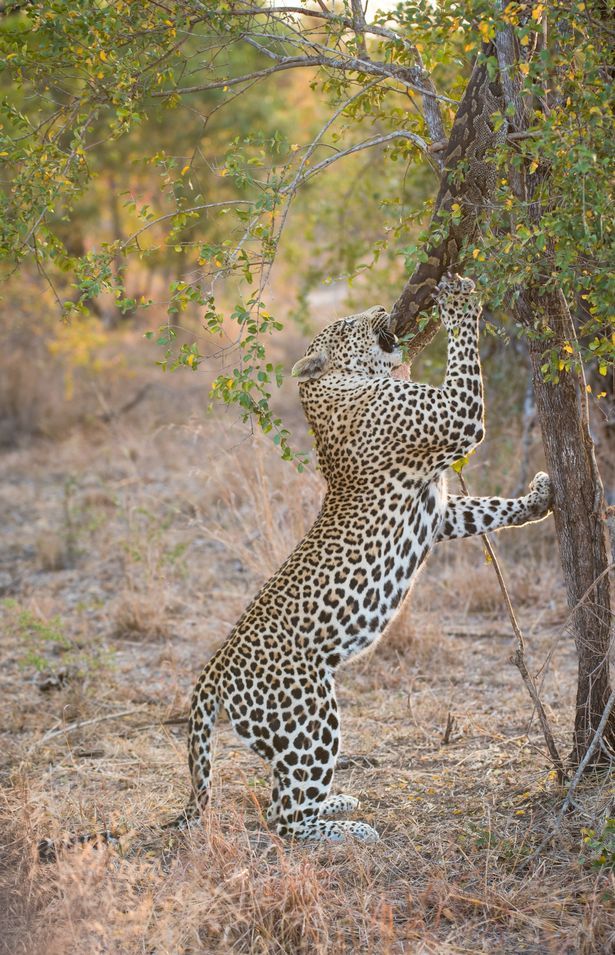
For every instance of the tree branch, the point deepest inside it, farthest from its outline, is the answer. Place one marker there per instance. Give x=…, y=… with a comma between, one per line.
x=518, y=657
x=179, y=212
x=366, y=144
x=472, y=138
x=346, y=65
x=358, y=25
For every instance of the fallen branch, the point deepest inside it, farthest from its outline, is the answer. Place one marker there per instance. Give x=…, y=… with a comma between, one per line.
x=71, y=727
x=518, y=657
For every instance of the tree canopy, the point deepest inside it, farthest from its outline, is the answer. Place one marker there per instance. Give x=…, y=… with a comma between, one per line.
x=192, y=108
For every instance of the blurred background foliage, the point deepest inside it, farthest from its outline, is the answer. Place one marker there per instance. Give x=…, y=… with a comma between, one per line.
x=146, y=190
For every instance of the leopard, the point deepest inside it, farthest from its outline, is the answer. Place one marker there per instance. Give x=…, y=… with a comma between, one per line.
x=384, y=443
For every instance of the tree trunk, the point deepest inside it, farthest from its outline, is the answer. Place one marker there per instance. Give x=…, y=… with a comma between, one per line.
x=579, y=504
x=579, y=511
x=468, y=179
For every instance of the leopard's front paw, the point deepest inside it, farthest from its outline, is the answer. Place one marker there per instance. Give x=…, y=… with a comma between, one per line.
x=457, y=299
x=541, y=490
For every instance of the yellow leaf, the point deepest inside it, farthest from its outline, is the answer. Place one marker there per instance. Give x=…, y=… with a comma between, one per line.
x=561, y=365
x=601, y=394
x=103, y=56
x=537, y=12
x=190, y=360
x=533, y=165
x=185, y=170
x=524, y=67
x=568, y=347
x=588, y=389
x=475, y=253
x=229, y=383
x=224, y=172
x=485, y=29
x=524, y=41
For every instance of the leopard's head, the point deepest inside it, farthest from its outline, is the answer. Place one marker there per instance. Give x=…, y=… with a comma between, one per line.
x=359, y=345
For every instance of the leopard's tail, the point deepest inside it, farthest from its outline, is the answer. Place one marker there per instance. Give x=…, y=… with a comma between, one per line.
x=203, y=713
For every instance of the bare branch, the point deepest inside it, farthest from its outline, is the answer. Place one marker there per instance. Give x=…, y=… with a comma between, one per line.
x=360, y=27
x=318, y=138
x=346, y=64
x=518, y=657
x=366, y=144
x=179, y=212
x=78, y=724
x=334, y=18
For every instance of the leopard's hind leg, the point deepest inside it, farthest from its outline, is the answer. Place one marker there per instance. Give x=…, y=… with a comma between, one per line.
x=299, y=738
x=303, y=773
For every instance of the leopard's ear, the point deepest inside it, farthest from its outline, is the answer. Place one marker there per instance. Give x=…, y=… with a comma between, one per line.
x=310, y=367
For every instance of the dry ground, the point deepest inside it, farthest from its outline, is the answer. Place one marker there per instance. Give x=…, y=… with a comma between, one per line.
x=129, y=550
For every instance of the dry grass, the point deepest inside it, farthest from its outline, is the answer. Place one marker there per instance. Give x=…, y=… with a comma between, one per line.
x=168, y=539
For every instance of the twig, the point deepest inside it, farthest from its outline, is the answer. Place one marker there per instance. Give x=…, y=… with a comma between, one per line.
x=518, y=657
x=172, y=721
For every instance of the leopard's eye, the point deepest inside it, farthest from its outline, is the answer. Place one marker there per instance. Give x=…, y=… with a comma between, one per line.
x=388, y=341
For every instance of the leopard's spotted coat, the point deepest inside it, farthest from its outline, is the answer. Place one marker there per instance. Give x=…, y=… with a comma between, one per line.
x=383, y=446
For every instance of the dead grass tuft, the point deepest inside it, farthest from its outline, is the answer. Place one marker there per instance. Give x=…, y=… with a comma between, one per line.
x=141, y=616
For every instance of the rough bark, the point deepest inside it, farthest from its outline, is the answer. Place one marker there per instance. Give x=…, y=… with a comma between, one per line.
x=468, y=180
x=579, y=511
x=579, y=503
